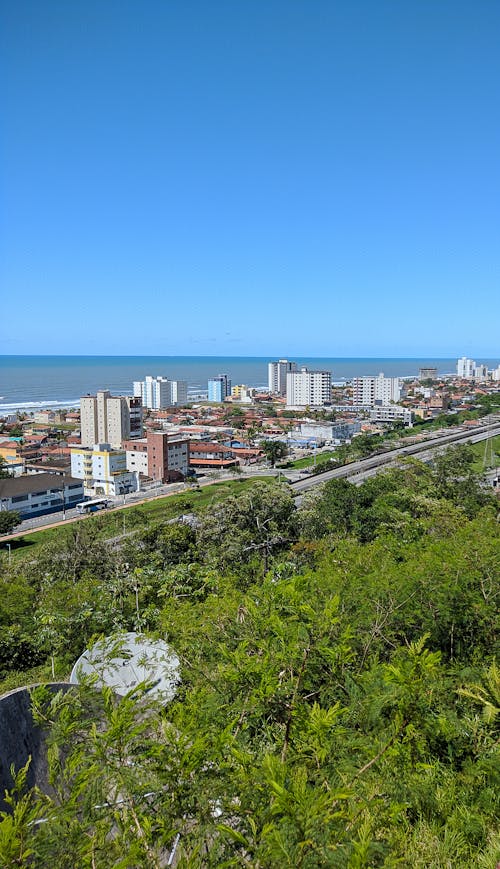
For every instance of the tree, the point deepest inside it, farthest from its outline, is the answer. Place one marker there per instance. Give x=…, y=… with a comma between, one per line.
x=9, y=519
x=4, y=472
x=274, y=450
x=257, y=522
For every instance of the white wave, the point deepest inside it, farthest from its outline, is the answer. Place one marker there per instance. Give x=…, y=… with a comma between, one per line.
x=49, y=404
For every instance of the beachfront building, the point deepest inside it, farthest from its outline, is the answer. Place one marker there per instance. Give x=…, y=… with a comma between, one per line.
x=277, y=372
x=160, y=392
x=219, y=388
x=109, y=419
x=40, y=494
x=103, y=470
x=159, y=456
x=427, y=373
x=306, y=388
x=373, y=391
x=242, y=393
x=465, y=368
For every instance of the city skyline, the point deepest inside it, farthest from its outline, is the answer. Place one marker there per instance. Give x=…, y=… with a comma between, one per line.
x=227, y=179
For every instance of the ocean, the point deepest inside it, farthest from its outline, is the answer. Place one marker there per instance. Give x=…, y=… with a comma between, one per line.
x=31, y=382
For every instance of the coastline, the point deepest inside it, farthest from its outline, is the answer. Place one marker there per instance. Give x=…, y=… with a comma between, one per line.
x=30, y=383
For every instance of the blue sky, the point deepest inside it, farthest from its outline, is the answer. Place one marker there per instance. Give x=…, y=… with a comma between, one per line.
x=281, y=177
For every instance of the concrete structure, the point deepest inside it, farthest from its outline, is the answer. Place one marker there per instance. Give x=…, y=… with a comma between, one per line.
x=103, y=470
x=110, y=419
x=328, y=432
x=242, y=393
x=39, y=494
x=465, y=368
x=219, y=388
x=392, y=413
x=277, y=372
x=372, y=391
x=481, y=372
x=23, y=740
x=427, y=373
x=123, y=661
x=209, y=455
x=159, y=456
x=306, y=388
x=159, y=392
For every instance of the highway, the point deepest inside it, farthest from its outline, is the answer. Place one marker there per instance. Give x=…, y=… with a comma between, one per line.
x=359, y=471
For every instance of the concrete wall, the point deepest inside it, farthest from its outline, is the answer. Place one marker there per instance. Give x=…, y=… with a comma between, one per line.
x=21, y=738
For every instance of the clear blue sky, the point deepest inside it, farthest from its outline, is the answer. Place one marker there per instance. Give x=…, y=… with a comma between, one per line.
x=250, y=177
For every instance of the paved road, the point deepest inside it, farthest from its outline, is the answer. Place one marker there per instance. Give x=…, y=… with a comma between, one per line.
x=356, y=471
x=359, y=471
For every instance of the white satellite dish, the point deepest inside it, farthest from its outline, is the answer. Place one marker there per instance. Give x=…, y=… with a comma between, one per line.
x=122, y=661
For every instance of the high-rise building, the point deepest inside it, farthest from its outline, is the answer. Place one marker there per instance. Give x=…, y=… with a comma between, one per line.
x=277, y=372
x=375, y=391
x=159, y=392
x=427, y=373
x=306, y=388
x=105, y=418
x=219, y=388
x=466, y=368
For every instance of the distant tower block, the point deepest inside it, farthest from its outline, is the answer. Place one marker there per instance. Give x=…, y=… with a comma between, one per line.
x=427, y=373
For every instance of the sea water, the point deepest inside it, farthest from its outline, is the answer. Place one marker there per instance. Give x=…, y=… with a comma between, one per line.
x=31, y=382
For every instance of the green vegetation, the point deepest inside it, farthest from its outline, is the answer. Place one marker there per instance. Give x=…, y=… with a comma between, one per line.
x=274, y=450
x=110, y=524
x=9, y=519
x=339, y=704
x=321, y=459
x=491, y=451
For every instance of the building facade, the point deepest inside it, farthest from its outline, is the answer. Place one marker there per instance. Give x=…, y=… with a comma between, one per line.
x=306, y=388
x=427, y=373
x=105, y=418
x=160, y=392
x=372, y=391
x=465, y=368
x=40, y=494
x=163, y=458
x=103, y=470
x=219, y=388
x=277, y=372
x=392, y=413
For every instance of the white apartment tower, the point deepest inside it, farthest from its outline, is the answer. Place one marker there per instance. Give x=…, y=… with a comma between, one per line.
x=375, y=391
x=466, y=368
x=306, y=388
x=105, y=418
x=277, y=372
x=158, y=392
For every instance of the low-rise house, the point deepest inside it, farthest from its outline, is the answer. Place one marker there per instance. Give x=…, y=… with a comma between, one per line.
x=210, y=455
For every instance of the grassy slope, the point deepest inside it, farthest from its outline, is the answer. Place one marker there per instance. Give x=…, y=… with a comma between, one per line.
x=112, y=523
